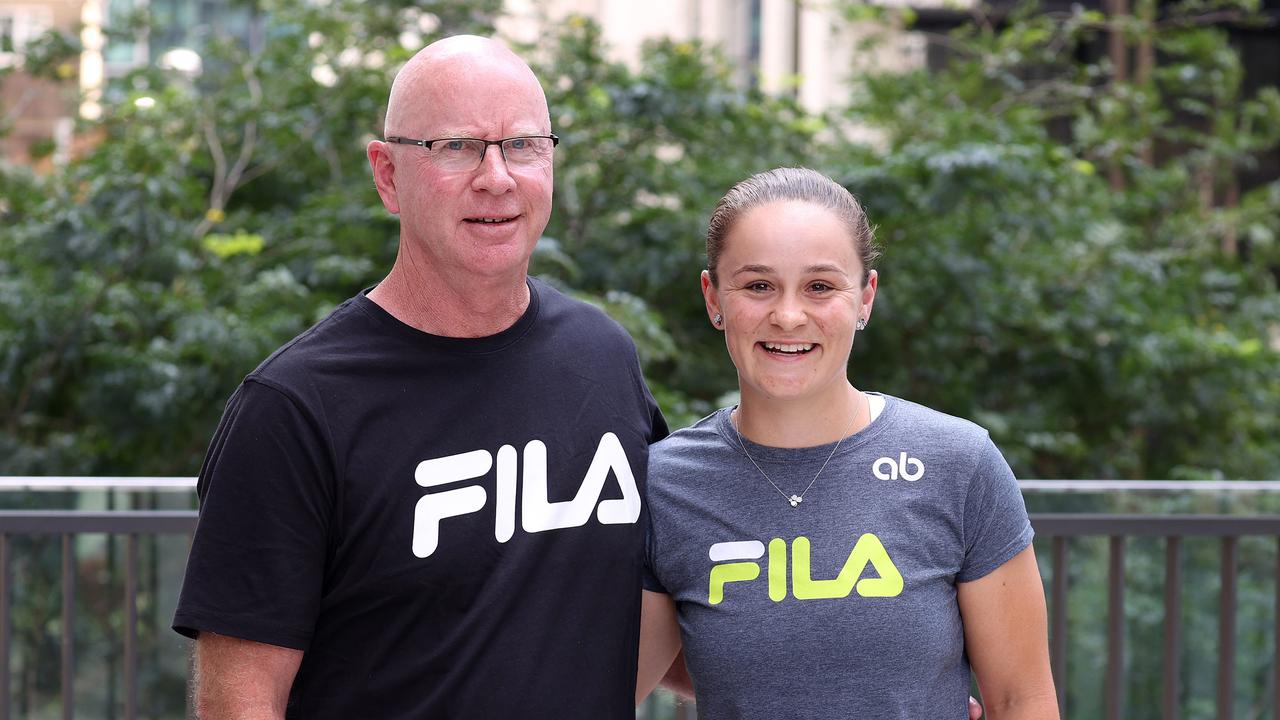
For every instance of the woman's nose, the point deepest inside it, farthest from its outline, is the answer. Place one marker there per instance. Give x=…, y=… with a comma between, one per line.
x=788, y=314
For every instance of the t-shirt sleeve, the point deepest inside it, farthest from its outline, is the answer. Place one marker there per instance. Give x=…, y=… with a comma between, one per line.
x=257, y=559
x=996, y=526
x=650, y=579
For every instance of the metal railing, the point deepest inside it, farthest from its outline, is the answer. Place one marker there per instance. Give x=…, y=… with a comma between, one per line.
x=1058, y=528
x=1173, y=528
x=68, y=524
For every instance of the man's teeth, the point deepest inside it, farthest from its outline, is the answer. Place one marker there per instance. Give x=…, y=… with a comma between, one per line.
x=490, y=220
x=789, y=347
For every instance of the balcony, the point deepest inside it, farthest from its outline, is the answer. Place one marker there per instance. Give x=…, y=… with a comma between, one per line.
x=1163, y=598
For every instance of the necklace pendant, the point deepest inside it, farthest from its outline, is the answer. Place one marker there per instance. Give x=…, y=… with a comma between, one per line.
x=795, y=500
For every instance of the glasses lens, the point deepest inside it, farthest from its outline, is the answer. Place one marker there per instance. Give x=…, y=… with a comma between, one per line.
x=457, y=155
x=528, y=151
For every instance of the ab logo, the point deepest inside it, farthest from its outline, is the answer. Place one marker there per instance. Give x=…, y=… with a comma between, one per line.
x=898, y=467
x=867, y=551
x=536, y=513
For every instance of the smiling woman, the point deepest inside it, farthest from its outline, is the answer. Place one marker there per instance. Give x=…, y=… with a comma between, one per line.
x=914, y=515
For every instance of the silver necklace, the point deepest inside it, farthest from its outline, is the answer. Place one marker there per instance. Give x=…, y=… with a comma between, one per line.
x=795, y=500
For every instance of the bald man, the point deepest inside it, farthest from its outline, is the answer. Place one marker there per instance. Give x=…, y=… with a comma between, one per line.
x=428, y=505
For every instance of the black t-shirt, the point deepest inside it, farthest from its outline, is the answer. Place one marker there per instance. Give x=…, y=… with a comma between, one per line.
x=449, y=528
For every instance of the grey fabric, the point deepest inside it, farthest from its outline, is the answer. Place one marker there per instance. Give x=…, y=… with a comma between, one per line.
x=782, y=646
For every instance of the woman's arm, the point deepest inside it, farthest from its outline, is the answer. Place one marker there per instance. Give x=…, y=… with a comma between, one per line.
x=659, y=641
x=1006, y=637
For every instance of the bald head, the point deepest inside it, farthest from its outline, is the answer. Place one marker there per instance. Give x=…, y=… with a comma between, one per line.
x=456, y=69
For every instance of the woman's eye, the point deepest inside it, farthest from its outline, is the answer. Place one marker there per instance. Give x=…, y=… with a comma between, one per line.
x=758, y=286
x=820, y=287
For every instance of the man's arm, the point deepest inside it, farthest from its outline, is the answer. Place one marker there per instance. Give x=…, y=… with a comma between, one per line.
x=1006, y=637
x=242, y=680
x=659, y=641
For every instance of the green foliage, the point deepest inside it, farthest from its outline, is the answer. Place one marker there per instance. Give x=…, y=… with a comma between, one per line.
x=1098, y=329
x=1102, y=315
x=645, y=155
x=1098, y=332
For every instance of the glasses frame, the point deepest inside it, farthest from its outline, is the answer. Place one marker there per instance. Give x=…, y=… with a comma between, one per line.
x=555, y=141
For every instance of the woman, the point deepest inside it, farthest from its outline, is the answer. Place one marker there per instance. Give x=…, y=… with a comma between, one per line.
x=828, y=552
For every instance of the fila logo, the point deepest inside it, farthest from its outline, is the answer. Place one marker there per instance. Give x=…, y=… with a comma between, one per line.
x=898, y=467
x=536, y=513
x=867, y=551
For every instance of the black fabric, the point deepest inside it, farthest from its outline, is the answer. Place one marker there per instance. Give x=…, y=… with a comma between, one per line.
x=310, y=495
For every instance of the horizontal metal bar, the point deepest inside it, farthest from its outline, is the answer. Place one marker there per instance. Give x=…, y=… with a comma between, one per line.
x=1262, y=486
x=186, y=484
x=37, y=522
x=53, y=522
x=54, y=483
x=1078, y=524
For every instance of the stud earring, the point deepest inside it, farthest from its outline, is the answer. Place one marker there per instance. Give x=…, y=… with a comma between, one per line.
x=717, y=320
x=862, y=324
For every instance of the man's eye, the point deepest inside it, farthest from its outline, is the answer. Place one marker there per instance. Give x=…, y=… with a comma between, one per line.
x=820, y=287
x=758, y=286
x=518, y=144
x=454, y=146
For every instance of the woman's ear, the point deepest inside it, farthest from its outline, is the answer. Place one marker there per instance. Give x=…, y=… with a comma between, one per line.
x=713, y=302
x=869, y=294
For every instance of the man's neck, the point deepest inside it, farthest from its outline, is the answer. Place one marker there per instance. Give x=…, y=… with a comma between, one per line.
x=438, y=304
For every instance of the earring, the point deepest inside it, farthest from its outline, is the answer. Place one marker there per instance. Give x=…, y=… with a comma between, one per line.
x=717, y=320
x=862, y=324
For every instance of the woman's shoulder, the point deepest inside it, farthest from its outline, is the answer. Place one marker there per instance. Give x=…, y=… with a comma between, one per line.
x=927, y=425
x=702, y=435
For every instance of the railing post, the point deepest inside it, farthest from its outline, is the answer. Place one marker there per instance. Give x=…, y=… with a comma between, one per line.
x=1059, y=601
x=68, y=626
x=5, y=642
x=1172, y=624
x=1227, y=629
x=131, y=627
x=1114, y=709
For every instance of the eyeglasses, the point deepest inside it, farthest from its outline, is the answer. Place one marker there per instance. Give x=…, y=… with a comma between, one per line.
x=466, y=154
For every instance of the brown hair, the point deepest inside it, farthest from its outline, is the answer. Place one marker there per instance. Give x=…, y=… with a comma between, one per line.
x=782, y=184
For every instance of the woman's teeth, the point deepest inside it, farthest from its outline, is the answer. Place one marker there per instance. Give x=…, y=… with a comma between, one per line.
x=788, y=347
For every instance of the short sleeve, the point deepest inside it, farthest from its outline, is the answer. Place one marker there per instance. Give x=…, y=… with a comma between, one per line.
x=650, y=579
x=996, y=526
x=266, y=490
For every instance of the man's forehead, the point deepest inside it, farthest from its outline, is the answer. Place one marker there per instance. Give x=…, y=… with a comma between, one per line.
x=466, y=87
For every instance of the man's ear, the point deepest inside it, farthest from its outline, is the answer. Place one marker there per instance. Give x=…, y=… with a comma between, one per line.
x=384, y=175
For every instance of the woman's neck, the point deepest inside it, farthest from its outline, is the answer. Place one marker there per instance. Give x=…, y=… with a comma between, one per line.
x=801, y=423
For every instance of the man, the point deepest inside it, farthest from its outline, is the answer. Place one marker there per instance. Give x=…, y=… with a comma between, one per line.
x=428, y=505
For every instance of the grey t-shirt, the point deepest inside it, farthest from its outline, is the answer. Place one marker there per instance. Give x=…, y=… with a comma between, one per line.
x=844, y=606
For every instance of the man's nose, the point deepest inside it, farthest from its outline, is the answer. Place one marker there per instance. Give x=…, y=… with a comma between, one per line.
x=493, y=175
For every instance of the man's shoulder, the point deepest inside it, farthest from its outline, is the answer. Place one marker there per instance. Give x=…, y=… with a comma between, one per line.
x=342, y=332
x=576, y=316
